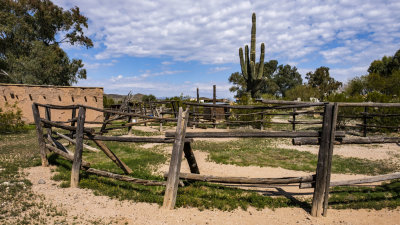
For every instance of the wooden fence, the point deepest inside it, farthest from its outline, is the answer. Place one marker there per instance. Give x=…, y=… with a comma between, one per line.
x=320, y=181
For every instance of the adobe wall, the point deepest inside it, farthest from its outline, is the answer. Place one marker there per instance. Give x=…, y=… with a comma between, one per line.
x=25, y=95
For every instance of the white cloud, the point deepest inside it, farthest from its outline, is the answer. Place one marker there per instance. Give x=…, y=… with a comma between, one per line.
x=218, y=69
x=337, y=33
x=212, y=31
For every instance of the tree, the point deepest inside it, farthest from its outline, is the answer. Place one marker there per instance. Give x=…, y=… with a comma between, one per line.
x=383, y=77
x=304, y=92
x=321, y=80
x=149, y=98
x=31, y=32
x=286, y=78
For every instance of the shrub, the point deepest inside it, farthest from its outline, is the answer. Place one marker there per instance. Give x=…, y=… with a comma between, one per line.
x=11, y=119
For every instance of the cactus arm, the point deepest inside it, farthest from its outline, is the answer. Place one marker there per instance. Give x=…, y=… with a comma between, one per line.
x=247, y=61
x=253, y=39
x=242, y=65
x=253, y=70
x=261, y=64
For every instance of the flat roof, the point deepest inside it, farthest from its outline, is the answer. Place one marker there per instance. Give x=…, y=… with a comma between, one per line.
x=48, y=86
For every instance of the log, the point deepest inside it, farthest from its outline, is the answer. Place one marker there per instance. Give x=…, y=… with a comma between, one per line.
x=112, y=156
x=373, y=179
x=191, y=159
x=252, y=134
x=129, y=125
x=77, y=162
x=58, y=145
x=67, y=156
x=342, y=141
x=171, y=189
x=125, y=178
x=244, y=180
x=65, y=127
x=90, y=148
x=39, y=133
x=135, y=139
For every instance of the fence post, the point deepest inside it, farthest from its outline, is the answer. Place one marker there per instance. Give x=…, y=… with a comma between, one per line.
x=294, y=120
x=321, y=190
x=73, y=115
x=262, y=121
x=365, y=121
x=330, y=154
x=76, y=165
x=171, y=189
x=103, y=127
x=39, y=132
x=129, y=120
x=214, y=110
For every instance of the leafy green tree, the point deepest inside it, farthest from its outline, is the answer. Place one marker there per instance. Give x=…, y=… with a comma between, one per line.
x=304, y=92
x=149, y=98
x=31, y=32
x=323, y=82
x=383, y=77
x=286, y=78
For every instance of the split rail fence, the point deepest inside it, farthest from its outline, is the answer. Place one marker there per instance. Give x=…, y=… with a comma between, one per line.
x=326, y=137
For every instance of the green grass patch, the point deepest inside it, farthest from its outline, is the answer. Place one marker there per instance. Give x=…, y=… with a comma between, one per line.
x=262, y=152
x=386, y=195
x=143, y=162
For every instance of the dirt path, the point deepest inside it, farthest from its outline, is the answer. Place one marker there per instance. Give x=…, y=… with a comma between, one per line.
x=83, y=207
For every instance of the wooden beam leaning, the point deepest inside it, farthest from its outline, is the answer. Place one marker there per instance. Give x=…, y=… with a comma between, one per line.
x=67, y=156
x=176, y=159
x=90, y=148
x=189, y=155
x=39, y=133
x=76, y=164
x=322, y=165
x=111, y=155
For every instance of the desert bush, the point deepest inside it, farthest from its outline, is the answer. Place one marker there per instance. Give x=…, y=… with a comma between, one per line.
x=11, y=119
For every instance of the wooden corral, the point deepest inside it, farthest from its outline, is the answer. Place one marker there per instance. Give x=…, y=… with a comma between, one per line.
x=325, y=137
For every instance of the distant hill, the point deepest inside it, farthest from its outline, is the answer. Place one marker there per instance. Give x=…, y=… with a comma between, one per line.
x=117, y=97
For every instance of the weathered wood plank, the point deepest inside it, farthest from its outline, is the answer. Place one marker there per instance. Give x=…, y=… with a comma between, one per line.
x=191, y=159
x=343, y=141
x=176, y=159
x=65, y=127
x=125, y=178
x=76, y=164
x=90, y=148
x=319, y=190
x=367, y=180
x=135, y=139
x=112, y=156
x=67, y=156
x=243, y=180
x=329, y=157
x=39, y=133
x=265, y=134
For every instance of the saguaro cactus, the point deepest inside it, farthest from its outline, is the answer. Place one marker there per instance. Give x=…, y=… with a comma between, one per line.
x=252, y=72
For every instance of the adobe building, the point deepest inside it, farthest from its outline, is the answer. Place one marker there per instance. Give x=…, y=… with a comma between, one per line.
x=24, y=95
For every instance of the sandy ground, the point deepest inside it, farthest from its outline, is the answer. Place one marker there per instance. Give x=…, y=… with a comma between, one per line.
x=83, y=207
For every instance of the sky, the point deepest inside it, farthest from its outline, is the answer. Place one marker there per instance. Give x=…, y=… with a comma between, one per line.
x=171, y=47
